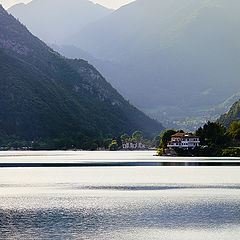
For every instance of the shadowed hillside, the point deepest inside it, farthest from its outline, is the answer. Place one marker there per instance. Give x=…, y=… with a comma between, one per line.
x=173, y=58
x=43, y=94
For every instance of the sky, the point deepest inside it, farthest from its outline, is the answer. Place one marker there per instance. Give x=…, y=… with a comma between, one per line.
x=108, y=3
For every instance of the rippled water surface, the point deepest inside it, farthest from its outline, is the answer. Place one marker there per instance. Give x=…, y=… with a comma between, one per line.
x=120, y=202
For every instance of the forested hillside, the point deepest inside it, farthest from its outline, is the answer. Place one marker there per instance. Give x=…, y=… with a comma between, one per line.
x=232, y=115
x=182, y=55
x=45, y=95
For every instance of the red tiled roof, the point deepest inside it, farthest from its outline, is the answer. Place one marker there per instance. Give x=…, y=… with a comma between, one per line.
x=184, y=135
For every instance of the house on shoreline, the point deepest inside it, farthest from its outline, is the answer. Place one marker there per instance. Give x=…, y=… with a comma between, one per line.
x=183, y=141
x=134, y=146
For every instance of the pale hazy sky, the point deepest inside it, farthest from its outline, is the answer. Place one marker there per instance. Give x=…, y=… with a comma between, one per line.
x=108, y=3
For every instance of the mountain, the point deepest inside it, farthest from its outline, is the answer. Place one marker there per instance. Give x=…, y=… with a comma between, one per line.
x=225, y=106
x=45, y=95
x=72, y=51
x=232, y=115
x=172, y=58
x=53, y=20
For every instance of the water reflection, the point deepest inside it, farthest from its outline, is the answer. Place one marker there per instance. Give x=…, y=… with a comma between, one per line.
x=113, y=200
x=122, y=164
x=89, y=222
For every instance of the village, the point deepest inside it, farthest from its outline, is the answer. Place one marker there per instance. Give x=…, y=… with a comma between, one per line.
x=179, y=140
x=135, y=146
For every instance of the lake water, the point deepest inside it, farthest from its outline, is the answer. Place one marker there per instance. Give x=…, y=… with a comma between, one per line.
x=117, y=201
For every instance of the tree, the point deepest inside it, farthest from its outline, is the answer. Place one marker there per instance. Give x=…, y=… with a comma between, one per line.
x=156, y=141
x=138, y=135
x=133, y=140
x=124, y=137
x=213, y=133
x=119, y=141
x=234, y=130
x=107, y=142
x=113, y=146
x=93, y=146
x=160, y=151
x=166, y=137
x=234, y=126
x=236, y=135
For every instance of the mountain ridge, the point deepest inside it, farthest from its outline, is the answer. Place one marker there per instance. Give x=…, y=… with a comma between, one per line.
x=167, y=48
x=174, y=59
x=45, y=95
x=232, y=115
x=62, y=17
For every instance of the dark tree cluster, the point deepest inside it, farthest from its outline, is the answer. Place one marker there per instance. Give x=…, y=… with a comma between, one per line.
x=215, y=140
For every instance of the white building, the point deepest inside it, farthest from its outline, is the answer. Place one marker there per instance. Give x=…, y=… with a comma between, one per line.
x=132, y=145
x=184, y=141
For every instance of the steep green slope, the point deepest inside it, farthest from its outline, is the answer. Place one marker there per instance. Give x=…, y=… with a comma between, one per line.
x=232, y=115
x=43, y=94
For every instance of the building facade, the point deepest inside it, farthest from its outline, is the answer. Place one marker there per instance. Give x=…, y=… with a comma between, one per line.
x=184, y=141
x=132, y=145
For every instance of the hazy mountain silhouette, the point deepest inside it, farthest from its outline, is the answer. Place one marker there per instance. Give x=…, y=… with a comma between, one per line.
x=169, y=55
x=172, y=58
x=43, y=94
x=54, y=20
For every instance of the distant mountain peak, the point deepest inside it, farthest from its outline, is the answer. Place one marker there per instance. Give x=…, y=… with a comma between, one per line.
x=1, y=8
x=45, y=95
x=13, y=40
x=54, y=21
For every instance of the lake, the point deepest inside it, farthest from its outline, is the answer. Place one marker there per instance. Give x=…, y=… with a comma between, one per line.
x=118, y=195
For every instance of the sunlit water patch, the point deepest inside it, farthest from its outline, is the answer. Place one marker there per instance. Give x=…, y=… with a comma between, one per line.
x=120, y=202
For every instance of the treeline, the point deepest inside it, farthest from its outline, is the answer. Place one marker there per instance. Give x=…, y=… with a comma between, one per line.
x=216, y=140
x=78, y=142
